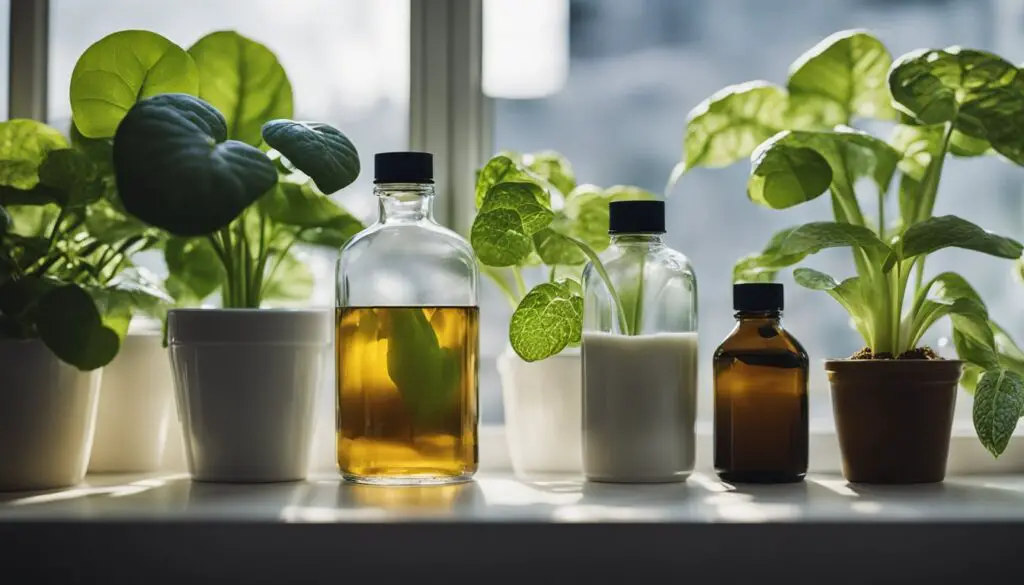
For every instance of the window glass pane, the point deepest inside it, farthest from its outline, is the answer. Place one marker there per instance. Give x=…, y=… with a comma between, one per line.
x=347, y=60
x=5, y=30
x=637, y=68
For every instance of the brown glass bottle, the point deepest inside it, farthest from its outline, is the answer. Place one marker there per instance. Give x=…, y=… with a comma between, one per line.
x=760, y=380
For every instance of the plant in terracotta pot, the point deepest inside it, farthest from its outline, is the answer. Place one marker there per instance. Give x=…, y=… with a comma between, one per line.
x=65, y=303
x=893, y=400
x=532, y=216
x=233, y=193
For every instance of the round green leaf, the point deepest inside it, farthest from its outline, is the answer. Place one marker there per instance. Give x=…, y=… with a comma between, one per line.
x=244, y=80
x=499, y=238
x=69, y=323
x=841, y=77
x=549, y=318
x=121, y=69
x=502, y=168
x=24, y=145
x=782, y=176
x=176, y=170
x=319, y=150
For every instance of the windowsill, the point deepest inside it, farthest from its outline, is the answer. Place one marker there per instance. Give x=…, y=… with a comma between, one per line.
x=181, y=531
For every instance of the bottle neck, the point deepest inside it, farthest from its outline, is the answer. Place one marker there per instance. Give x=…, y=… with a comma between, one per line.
x=405, y=201
x=758, y=317
x=645, y=240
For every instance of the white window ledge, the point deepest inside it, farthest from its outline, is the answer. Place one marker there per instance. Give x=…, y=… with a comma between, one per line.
x=164, y=528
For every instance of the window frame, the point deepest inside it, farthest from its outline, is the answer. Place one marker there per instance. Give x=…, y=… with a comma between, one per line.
x=450, y=116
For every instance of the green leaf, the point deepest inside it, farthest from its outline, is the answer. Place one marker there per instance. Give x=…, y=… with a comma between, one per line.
x=244, y=80
x=998, y=405
x=730, y=124
x=291, y=283
x=522, y=199
x=970, y=378
x=553, y=168
x=763, y=267
x=176, y=170
x=122, y=69
x=556, y=249
x=99, y=150
x=71, y=325
x=426, y=374
x=549, y=318
x=980, y=93
x=502, y=169
x=194, y=269
x=24, y=145
x=586, y=212
x=848, y=293
x=318, y=150
x=71, y=173
x=841, y=77
x=813, y=237
x=110, y=225
x=32, y=220
x=502, y=231
x=300, y=205
x=950, y=231
x=798, y=166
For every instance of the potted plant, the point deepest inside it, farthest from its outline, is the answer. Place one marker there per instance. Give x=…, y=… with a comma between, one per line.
x=245, y=377
x=65, y=304
x=531, y=214
x=893, y=401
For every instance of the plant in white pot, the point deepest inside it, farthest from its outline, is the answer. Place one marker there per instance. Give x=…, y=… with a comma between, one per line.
x=65, y=305
x=245, y=377
x=533, y=215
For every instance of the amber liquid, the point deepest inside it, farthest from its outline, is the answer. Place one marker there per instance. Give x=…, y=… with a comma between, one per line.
x=407, y=394
x=760, y=375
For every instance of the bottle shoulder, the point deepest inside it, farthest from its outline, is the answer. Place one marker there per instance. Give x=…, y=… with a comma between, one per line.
x=761, y=337
x=420, y=239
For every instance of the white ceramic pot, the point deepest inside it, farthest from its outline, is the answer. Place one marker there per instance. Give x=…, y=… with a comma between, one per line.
x=136, y=407
x=245, y=384
x=543, y=410
x=47, y=418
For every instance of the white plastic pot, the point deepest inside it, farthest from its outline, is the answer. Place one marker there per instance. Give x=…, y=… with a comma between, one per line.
x=47, y=418
x=136, y=407
x=245, y=385
x=543, y=410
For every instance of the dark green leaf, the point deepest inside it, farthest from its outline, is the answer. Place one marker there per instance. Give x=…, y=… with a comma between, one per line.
x=949, y=231
x=813, y=237
x=426, y=374
x=24, y=145
x=549, y=318
x=71, y=173
x=99, y=150
x=841, y=77
x=318, y=150
x=730, y=124
x=71, y=325
x=998, y=405
x=122, y=69
x=5, y=222
x=176, y=170
x=244, y=81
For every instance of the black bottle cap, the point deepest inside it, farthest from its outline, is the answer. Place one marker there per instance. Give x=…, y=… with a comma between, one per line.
x=758, y=296
x=636, y=217
x=403, y=167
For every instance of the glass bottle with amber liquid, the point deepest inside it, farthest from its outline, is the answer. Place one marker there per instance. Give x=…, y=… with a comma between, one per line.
x=407, y=339
x=760, y=381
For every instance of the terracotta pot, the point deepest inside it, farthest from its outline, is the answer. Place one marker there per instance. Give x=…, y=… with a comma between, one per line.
x=894, y=417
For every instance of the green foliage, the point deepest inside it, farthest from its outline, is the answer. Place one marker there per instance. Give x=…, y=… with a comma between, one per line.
x=426, y=374
x=953, y=101
x=305, y=145
x=121, y=69
x=532, y=211
x=243, y=80
x=24, y=145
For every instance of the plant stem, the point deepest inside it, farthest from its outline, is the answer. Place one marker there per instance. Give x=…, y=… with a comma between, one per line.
x=229, y=293
x=881, y=216
x=502, y=284
x=599, y=267
x=520, y=283
x=638, y=305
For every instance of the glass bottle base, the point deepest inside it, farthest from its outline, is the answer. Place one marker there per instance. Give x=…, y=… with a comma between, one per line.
x=411, y=479
x=760, y=476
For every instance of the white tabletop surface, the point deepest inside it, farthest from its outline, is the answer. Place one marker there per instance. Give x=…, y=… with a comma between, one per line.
x=503, y=498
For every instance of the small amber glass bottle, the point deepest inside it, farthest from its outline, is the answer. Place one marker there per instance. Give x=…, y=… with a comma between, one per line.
x=760, y=393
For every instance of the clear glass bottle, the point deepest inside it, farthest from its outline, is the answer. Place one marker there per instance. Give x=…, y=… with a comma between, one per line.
x=407, y=338
x=760, y=375
x=639, y=353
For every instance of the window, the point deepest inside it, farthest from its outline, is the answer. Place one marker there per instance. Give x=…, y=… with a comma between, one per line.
x=637, y=68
